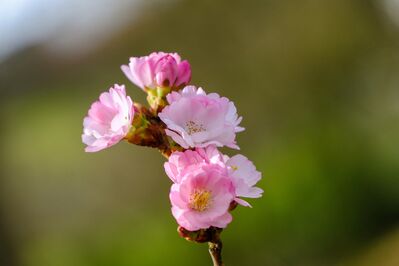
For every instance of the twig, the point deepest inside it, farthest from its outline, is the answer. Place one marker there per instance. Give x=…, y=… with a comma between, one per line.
x=215, y=250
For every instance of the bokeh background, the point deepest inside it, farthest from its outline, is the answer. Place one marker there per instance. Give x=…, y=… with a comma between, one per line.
x=317, y=83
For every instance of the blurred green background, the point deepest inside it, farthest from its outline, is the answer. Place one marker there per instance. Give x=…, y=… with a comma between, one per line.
x=317, y=83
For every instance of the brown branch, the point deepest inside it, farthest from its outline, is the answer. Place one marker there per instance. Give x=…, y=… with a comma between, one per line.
x=215, y=246
x=210, y=235
x=215, y=250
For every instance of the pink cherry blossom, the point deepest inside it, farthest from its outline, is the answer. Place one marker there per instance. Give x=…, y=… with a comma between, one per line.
x=241, y=171
x=108, y=120
x=244, y=177
x=197, y=119
x=202, y=198
x=158, y=70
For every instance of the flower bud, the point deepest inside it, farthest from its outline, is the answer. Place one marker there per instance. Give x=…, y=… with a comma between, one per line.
x=158, y=74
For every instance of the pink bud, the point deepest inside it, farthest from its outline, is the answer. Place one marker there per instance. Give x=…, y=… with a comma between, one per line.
x=158, y=70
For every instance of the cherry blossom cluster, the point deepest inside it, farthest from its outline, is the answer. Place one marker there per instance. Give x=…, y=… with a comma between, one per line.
x=188, y=126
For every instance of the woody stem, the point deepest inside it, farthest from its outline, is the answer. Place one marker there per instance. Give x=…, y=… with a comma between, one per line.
x=215, y=250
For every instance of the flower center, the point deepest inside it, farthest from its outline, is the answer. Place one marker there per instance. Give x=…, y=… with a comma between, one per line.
x=193, y=127
x=200, y=200
x=234, y=167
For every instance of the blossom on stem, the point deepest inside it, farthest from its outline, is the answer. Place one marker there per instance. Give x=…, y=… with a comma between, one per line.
x=244, y=176
x=196, y=119
x=240, y=171
x=109, y=119
x=202, y=198
x=158, y=70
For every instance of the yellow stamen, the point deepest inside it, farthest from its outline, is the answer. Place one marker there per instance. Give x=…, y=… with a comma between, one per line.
x=200, y=200
x=193, y=127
